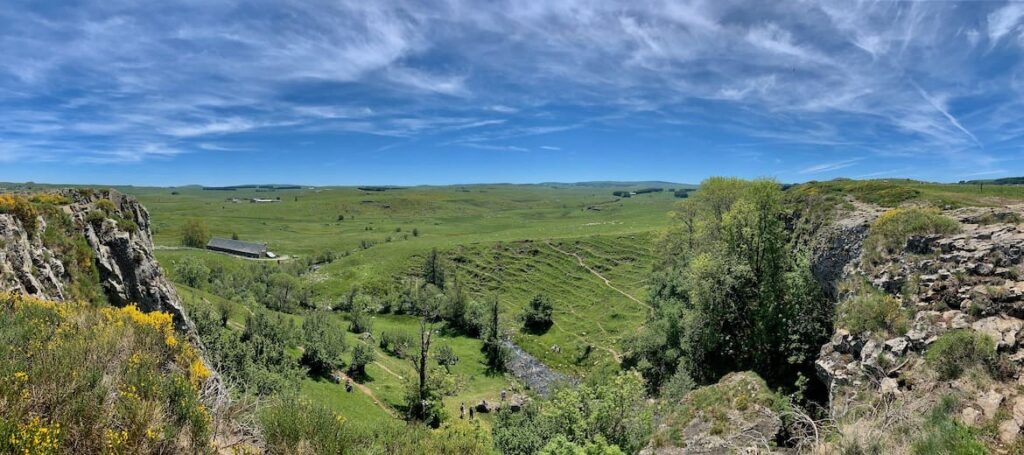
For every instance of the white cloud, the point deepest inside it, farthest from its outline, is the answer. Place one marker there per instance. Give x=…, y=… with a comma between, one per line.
x=1004, y=20
x=227, y=126
x=829, y=167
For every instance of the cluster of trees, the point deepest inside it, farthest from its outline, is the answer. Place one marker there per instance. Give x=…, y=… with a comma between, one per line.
x=255, y=360
x=730, y=293
x=605, y=417
x=275, y=286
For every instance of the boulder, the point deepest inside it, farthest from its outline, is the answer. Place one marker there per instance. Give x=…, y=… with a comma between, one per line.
x=921, y=244
x=517, y=402
x=1002, y=329
x=734, y=416
x=889, y=387
x=898, y=345
x=970, y=416
x=989, y=403
x=981, y=268
x=1008, y=431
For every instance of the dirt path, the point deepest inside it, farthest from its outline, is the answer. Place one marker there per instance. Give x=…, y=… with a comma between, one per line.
x=607, y=282
x=366, y=391
x=615, y=354
x=381, y=365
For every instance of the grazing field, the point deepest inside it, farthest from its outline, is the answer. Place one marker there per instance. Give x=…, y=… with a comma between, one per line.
x=400, y=223
x=894, y=192
x=591, y=316
x=586, y=249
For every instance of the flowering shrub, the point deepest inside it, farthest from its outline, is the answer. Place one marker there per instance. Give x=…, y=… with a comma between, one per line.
x=22, y=209
x=49, y=198
x=79, y=379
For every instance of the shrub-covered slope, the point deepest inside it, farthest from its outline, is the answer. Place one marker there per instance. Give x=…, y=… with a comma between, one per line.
x=84, y=379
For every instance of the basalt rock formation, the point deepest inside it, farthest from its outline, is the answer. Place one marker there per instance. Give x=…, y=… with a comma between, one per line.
x=128, y=271
x=969, y=282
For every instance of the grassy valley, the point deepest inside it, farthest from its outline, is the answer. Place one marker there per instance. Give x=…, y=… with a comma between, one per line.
x=586, y=249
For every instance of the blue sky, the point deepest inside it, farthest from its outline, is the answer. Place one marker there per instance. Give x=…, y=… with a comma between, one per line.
x=394, y=92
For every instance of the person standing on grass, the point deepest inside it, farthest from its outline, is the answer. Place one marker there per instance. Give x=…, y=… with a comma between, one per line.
x=462, y=411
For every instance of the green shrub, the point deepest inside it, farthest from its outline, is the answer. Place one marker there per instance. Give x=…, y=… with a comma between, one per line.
x=63, y=239
x=872, y=311
x=126, y=224
x=292, y=426
x=884, y=193
x=107, y=207
x=195, y=234
x=957, y=351
x=398, y=344
x=446, y=357
x=291, y=423
x=609, y=416
x=95, y=218
x=362, y=322
x=889, y=233
x=944, y=434
x=538, y=314
x=362, y=355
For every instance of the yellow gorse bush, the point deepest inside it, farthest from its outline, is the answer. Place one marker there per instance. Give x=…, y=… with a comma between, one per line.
x=64, y=345
x=21, y=208
x=35, y=437
x=6, y=200
x=49, y=198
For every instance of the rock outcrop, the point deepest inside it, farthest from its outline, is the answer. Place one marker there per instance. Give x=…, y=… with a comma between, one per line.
x=837, y=248
x=128, y=271
x=739, y=414
x=25, y=266
x=971, y=281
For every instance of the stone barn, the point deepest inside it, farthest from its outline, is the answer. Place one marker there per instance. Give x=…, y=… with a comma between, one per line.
x=238, y=248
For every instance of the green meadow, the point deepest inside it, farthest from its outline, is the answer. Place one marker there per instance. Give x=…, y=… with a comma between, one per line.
x=587, y=250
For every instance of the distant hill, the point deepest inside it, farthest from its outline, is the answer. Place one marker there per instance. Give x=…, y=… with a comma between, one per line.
x=1002, y=181
x=620, y=184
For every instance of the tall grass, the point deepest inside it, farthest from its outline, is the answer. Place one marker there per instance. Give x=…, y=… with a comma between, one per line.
x=889, y=233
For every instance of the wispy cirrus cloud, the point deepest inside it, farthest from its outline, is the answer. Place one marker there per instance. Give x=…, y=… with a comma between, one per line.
x=882, y=79
x=829, y=167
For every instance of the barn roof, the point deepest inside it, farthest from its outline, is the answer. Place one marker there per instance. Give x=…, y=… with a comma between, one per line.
x=237, y=245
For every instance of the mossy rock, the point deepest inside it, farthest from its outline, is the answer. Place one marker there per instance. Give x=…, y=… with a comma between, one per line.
x=740, y=411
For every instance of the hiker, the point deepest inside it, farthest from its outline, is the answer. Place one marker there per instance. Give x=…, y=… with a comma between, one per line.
x=471, y=413
x=462, y=411
x=502, y=396
x=348, y=384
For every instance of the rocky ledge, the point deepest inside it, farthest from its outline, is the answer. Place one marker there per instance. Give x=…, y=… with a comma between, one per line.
x=128, y=271
x=972, y=281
